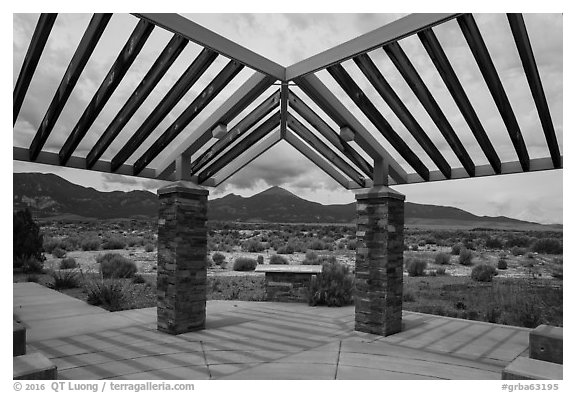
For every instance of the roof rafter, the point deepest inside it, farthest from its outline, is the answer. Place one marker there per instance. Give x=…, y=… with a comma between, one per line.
x=260, y=132
x=304, y=133
x=369, y=69
x=120, y=67
x=170, y=53
x=75, y=67
x=35, y=49
x=180, y=88
x=440, y=60
x=367, y=107
x=488, y=70
x=533, y=76
x=260, y=112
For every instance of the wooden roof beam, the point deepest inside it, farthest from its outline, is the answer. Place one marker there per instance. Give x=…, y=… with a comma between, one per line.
x=115, y=75
x=259, y=133
x=240, y=129
x=488, y=70
x=85, y=48
x=170, y=53
x=327, y=132
x=35, y=49
x=418, y=87
x=367, y=107
x=316, y=143
x=440, y=60
x=533, y=76
x=369, y=69
x=180, y=88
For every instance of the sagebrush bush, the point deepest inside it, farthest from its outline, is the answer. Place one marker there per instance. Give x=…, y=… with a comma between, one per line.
x=68, y=263
x=218, y=258
x=465, y=257
x=442, y=259
x=502, y=263
x=30, y=264
x=494, y=243
x=416, y=267
x=278, y=260
x=415, y=247
x=441, y=271
x=287, y=249
x=243, y=264
x=260, y=259
x=114, y=265
x=483, y=273
x=149, y=247
x=351, y=245
x=311, y=258
x=332, y=287
x=138, y=279
x=317, y=244
x=253, y=245
x=58, y=252
x=64, y=279
x=27, y=239
x=113, y=244
x=111, y=294
x=456, y=248
x=516, y=251
x=547, y=246
x=91, y=244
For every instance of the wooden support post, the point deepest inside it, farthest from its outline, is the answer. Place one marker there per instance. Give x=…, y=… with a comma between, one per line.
x=380, y=173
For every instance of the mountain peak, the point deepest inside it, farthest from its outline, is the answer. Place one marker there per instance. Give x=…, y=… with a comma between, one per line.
x=277, y=191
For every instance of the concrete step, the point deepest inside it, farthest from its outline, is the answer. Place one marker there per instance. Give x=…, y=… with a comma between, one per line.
x=526, y=368
x=34, y=366
x=546, y=344
x=18, y=338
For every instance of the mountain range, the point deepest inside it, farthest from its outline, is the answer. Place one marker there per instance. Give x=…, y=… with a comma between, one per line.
x=48, y=195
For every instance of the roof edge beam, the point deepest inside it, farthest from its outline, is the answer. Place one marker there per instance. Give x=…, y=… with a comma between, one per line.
x=392, y=32
x=208, y=39
x=35, y=49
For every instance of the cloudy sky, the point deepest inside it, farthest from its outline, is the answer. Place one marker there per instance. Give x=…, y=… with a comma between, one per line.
x=287, y=39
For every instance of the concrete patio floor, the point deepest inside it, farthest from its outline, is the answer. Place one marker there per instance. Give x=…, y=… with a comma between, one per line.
x=258, y=340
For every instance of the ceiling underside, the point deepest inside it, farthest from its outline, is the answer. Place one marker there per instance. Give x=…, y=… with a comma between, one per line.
x=320, y=106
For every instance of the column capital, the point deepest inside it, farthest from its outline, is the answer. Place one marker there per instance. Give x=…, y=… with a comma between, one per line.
x=379, y=192
x=182, y=187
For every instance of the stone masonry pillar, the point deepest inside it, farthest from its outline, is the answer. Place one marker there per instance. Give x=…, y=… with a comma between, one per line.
x=182, y=250
x=379, y=260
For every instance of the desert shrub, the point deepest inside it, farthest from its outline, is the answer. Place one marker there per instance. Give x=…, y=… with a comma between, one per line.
x=64, y=279
x=68, y=263
x=351, y=245
x=547, y=246
x=111, y=294
x=138, y=279
x=440, y=271
x=483, y=273
x=27, y=240
x=456, y=248
x=50, y=244
x=465, y=257
x=252, y=245
x=494, y=243
x=113, y=244
x=311, y=258
x=29, y=265
x=260, y=259
x=317, y=244
x=518, y=241
x=287, y=249
x=502, y=264
x=278, y=260
x=243, y=264
x=442, y=259
x=516, y=251
x=529, y=255
x=415, y=247
x=408, y=297
x=58, y=252
x=149, y=247
x=90, y=244
x=116, y=266
x=218, y=258
x=332, y=287
x=416, y=267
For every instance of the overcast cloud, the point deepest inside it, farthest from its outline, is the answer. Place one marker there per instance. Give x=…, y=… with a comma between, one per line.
x=287, y=39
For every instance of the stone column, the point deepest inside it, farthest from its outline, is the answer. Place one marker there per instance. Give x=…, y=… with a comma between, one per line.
x=182, y=250
x=379, y=260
